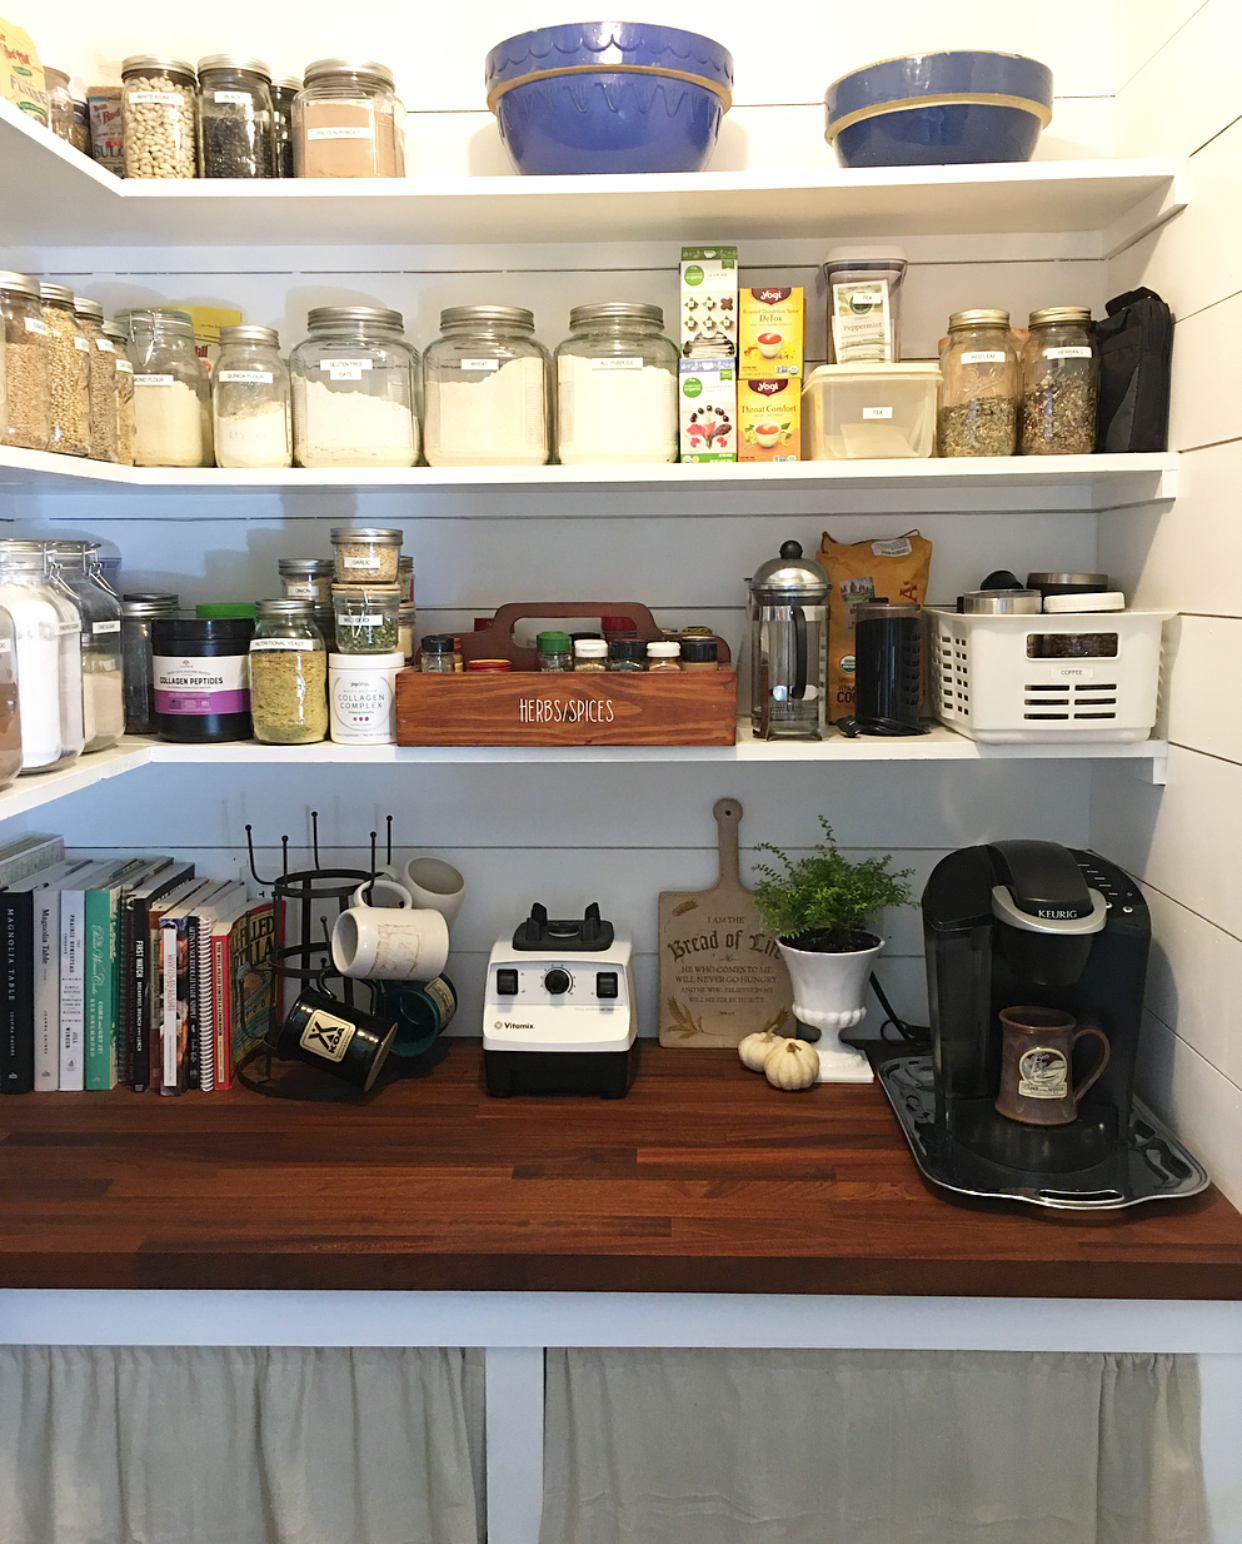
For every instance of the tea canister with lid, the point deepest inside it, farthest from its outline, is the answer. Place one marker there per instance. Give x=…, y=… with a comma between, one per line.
x=288, y=675
x=26, y=423
x=236, y=118
x=69, y=372
x=979, y=387
x=354, y=390
x=172, y=394
x=201, y=670
x=485, y=389
x=1060, y=382
x=104, y=419
x=138, y=613
x=788, y=609
x=616, y=387
x=158, y=95
x=103, y=704
x=251, y=415
x=348, y=121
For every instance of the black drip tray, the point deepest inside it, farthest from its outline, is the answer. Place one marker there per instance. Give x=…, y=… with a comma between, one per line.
x=1147, y=1163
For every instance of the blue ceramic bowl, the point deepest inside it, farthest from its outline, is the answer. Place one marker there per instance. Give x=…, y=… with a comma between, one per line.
x=609, y=96
x=943, y=109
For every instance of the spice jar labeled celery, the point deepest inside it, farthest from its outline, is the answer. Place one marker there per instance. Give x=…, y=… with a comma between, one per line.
x=172, y=395
x=69, y=373
x=236, y=119
x=26, y=423
x=485, y=389
x=616, y=387
x=123, y=386
x=367, y=618
x=1060, y=381
x=979, y=387
x=288, y=675
x=158, y=113
x=250, y=404
x=355, y=397
x=103, y=380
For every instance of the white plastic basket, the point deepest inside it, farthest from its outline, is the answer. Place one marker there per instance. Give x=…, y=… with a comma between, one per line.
x=1001, y=679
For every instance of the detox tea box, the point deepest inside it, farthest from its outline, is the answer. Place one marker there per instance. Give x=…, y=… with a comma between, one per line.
x=769, y=420
x=707, y=301
x=770, y=328
x=708, y=399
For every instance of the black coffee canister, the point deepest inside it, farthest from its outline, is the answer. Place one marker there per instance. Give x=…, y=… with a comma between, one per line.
x=888, y=668
x=336, y=1038
x=201, y=678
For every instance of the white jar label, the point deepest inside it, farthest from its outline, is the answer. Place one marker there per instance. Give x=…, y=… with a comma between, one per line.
x=345, y=369
x=153, y=380
x=247, y=377
x=1069, y=351
x=368, y=560
x=616, y=364
x=124, y=366
x=345, y=132
x=234, y=98
x=6, y=646
x=194, y=687
x=356, y=624
x=163, y=98
x=984, y=356
x=268, y=645
x=83, y=345
x=480, y=364
x=877, y=412
x=105, y=345
x=112, y=626
x=37, y=324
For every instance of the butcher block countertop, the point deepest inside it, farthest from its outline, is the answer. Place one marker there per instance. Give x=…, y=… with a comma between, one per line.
x=703, y=1179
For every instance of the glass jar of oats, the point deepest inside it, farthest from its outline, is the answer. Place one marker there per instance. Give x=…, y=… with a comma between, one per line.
x=69, y=372
x=26, y=423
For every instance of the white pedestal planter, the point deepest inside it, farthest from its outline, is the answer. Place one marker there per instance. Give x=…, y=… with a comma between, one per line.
x=828, y=993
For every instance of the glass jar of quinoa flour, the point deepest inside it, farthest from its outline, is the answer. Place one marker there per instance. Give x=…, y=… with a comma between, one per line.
x=485, y=389
x=354, y=390
x=616, y=387
x=172, y=394
x=251, y=416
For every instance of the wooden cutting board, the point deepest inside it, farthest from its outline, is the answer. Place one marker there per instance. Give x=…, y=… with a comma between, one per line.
x=721, y=974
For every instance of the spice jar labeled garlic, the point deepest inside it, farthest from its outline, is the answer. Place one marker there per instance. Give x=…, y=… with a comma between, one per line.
x=158, y=108
x=26, y=423
x=288, y=675
x=69, y=373
x=369, y=553
x=1060, y=380
x=979, y=392
x=103, y=380
x=348, y=121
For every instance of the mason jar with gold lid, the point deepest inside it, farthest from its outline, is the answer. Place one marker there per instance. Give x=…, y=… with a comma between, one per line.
x=1060, y=383
x=978, y=386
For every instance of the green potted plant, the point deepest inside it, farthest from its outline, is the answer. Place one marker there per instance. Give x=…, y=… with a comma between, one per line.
x=818, y=908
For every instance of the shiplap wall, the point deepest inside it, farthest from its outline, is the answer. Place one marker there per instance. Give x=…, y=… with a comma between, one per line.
x=1178, y=93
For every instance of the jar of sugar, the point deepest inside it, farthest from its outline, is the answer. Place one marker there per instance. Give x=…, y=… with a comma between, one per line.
x=355, y=390
x=616, y=387
x=486, y=389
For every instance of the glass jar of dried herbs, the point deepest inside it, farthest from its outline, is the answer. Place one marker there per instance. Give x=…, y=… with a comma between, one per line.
x=367, y=618
x=288, y=674
x=1060, y=381
x=979, y=391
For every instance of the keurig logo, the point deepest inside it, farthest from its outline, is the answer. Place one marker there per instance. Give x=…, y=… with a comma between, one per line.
x=327, y=1036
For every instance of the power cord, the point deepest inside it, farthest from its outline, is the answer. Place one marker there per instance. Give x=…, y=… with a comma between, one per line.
x=916, y=1036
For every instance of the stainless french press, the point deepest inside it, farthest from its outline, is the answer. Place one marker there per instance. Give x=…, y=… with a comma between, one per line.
x=788, y=614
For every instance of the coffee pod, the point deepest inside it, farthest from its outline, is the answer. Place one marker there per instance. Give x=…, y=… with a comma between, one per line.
x=373, y=943
x=337, y=1038
x=435, y=883
x=384, y=891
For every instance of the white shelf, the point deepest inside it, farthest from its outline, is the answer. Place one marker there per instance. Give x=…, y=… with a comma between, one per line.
x=985, y=485
x=78, y=203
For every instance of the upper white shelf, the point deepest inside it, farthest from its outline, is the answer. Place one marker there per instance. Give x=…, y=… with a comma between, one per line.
x=79, y=205
x=1033, y=483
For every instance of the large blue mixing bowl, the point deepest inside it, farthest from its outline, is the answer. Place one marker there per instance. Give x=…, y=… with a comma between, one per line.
x=609, y=97
x=942, y=109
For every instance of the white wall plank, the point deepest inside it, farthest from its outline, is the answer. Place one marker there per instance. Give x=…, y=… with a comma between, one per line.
x=1202, y=413
x=1192, y=983
x=1188, y=91
x=1149, y=25
x=1204, y=713
x=1201, y=1105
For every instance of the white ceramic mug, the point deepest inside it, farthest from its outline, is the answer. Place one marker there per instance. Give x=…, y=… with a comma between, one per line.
x=435, y=883
x=373, y=943
x=386, y=892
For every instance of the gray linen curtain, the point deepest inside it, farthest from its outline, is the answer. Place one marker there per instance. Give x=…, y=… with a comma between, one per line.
x=207, y=1445
x=871, y=1447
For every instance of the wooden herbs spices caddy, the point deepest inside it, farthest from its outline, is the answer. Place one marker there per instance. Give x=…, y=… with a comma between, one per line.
x=525, y=706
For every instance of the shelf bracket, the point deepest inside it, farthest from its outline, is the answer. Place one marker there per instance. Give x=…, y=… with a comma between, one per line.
x=1154, y=768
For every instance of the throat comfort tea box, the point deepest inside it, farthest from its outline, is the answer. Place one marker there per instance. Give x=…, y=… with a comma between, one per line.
x=769, y=420
x=708, y=400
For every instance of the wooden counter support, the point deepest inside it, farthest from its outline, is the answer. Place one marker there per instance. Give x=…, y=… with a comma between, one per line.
x=703, y=1180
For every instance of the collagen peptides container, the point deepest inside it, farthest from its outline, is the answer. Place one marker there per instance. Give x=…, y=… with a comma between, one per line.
x=201, y=672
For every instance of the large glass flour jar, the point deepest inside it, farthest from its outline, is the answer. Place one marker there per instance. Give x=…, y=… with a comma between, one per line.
x=486, y=389
x=172, y=394
x=30, y=603
x=27, y=421
x=616, y=387
x=1060, y=380
x=103, y=703
x=250, y=400
x=354, y=390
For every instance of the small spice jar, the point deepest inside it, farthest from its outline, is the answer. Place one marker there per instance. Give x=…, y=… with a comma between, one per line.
x=236, y=119
x=616, y=387
x=284, y=89
x=663, y=655
x=1060, y=381
x=105, y=422
x=405, y=578
x=288, y=675
x=485, y=389
x=307, y=579
x=172, y=393
x=699, y=654
x=69, y=373
x=626, y=655
x=366, y=618
x=59, y=103
x=27, y=420
x=348, y=121
x=590, y=654
x=436, y=654
x=556, y=651
x=201, y=669
x=251, y=418
x=158, y=113
x=10, y=717
x=355, y=399
x=979, y=387
x=617, y=627
x=366, y=552
x=123, y=372
x=138, y=613
x=76, y=563
x=406, y=617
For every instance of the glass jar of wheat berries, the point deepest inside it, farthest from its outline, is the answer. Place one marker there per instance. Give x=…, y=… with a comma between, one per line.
x=288, y=674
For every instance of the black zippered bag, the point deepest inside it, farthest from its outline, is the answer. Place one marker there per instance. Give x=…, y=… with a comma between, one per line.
x=1136, y=349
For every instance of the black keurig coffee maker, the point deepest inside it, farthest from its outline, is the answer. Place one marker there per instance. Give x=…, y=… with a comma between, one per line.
x=1037, y=1108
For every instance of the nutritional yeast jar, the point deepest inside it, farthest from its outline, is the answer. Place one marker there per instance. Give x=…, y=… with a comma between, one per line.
x=250, y=402
x=288, y=675
x=201, y=677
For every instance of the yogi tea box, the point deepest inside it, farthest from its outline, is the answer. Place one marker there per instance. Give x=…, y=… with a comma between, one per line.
x=707, y=302
x=708, y=398
x=770, y=325
x=769, y=420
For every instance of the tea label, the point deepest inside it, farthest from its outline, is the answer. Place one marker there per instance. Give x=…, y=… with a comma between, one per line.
x=326, y=1036
x=1043, y=1073
x=984, y=356
x=1069, y=351
x=877, y=412
x=861, y=323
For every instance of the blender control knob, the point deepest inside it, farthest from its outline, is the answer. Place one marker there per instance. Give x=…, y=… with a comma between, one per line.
x=557, y=981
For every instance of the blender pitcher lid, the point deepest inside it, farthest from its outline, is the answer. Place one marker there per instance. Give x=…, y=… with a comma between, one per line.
x=791, y=577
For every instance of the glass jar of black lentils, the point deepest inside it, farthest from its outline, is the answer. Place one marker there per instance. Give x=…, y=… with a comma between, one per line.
x=236, y=119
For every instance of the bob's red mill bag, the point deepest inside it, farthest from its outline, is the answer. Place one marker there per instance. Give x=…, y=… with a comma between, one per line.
x=894, y=569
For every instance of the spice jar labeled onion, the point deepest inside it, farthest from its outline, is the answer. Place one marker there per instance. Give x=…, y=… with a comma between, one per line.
x=1060, y=380
x=288, y=675
x=979, y=392
x=158, y=112
x=367, y=552
x=69, y=373
x=367, y=618
x=307, y=579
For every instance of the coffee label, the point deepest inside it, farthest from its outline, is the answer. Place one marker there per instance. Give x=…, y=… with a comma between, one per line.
x=160, y=98
x=984, y=356
x=153, y=380
x=1069, y=351
x=480, y=364
x=326, y=1036
x=877, y=412
x=893, y=547
x=361, y=131
x=1043, y=1073
x=196, y=687
x=247, y=377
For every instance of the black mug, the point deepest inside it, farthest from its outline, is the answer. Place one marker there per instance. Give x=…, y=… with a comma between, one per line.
x=337, y=1038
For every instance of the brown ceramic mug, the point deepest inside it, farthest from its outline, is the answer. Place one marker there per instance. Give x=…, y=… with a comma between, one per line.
x=1037, y=1059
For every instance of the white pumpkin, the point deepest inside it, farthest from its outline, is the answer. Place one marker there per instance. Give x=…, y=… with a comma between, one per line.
x=792, y=1064
x=754, y=1050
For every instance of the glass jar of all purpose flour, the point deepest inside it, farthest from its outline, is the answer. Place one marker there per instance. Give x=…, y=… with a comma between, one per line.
x=616, y=385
